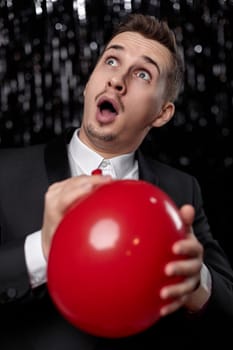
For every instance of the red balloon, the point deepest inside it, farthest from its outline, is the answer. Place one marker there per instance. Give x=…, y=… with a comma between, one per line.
x=106, y=264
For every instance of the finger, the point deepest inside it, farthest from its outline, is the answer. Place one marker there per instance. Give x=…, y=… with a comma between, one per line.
x=63, y=194
x=188, y=247
x=187, y=213
x=171, y=307
x=78, y=181
x=81, y=187
x=181, y=289
x=183, y=267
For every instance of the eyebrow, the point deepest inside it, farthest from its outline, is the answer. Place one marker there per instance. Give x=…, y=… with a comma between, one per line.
x=146, y=58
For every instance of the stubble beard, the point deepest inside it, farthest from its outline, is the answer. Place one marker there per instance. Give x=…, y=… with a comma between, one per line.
x=98, y=135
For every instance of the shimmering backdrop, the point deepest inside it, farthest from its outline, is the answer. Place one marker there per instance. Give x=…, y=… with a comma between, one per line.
x=48, y=48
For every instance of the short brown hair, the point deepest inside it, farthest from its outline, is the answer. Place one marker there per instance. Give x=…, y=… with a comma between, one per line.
x=152, y=28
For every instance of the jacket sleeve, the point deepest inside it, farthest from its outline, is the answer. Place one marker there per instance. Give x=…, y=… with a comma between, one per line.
x=23, y=183
x=220, y=305
x=14, y=280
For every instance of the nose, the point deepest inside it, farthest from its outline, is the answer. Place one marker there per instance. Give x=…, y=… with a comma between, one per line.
x=117, y=82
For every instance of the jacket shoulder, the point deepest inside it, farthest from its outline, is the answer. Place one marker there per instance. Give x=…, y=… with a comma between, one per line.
x=181, y=186
x=21, y=160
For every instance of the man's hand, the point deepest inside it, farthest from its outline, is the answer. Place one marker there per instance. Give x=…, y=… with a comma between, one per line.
x=188, y=293
x=59, y=198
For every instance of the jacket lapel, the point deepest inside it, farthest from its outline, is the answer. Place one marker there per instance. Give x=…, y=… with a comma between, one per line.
x=56, y=158
x=147, y=168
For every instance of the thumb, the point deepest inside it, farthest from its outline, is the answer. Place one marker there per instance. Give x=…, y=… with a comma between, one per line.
x=187, y=213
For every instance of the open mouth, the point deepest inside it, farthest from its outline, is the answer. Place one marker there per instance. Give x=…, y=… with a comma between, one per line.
x=108, y=110
x=107, y=106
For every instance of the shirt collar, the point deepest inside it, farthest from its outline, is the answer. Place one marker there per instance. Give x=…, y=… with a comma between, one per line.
x=87, y=160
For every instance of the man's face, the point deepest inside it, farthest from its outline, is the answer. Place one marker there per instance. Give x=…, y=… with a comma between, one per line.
x=124, y=95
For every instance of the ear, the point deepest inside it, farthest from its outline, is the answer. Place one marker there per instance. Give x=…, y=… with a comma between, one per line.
x=165, y=115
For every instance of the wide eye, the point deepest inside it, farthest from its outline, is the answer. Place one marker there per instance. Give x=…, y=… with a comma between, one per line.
x=142, y=74
x=111, y=61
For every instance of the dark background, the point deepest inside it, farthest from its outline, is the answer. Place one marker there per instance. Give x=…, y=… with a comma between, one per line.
x=48, y=48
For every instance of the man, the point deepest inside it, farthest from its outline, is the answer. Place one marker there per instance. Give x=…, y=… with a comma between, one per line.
x=131, y=90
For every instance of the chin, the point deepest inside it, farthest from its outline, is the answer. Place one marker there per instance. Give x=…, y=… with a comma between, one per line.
x=100, y=133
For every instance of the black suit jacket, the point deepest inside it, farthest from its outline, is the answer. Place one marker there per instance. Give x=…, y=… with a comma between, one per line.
x=28, y=318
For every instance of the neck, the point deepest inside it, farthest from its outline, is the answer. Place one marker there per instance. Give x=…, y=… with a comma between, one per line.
x=105, y=148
